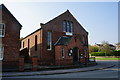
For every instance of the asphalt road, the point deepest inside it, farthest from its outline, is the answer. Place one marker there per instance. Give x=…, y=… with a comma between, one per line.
x=105, y=73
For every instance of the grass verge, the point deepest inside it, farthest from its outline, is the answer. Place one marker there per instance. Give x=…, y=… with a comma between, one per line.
x=107, y=58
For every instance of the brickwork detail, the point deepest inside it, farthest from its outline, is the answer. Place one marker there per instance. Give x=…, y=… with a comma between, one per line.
x=21, y=64
x=34, y=63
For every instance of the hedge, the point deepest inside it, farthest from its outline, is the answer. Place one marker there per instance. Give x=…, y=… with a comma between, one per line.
x=97, y=54
x=116, y=53
x=100, y=54
x=113, y=53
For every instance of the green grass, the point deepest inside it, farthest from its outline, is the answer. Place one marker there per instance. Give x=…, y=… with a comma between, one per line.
x=107, y=58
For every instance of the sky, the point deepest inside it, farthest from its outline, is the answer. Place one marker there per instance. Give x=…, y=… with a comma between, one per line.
x=100, y=19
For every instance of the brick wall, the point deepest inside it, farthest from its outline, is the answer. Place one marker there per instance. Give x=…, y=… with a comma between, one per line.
x=11, y=40
x=32, y=51
x=56, y=27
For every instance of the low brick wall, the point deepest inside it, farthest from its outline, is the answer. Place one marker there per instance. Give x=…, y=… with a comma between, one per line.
x=21, y=64
x=46, y=62
x=64, y=62
x=34, y=63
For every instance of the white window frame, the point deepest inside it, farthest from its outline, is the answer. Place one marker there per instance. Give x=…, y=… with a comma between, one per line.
x=49, y=42
x=1, y=52
x=2, y=31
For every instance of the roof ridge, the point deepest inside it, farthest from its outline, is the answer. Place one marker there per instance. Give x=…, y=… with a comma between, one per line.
x=9, y=13
x=57, y=16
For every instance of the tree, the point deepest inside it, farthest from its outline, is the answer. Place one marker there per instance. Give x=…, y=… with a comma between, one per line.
x=93, y=49
x=105, y=47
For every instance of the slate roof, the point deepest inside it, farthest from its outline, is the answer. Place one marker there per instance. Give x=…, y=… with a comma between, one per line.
x=63, y=40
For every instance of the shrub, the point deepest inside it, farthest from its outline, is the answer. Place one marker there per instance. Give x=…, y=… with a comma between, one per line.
x=101, y=54
x=116, y=53
x=97, y=54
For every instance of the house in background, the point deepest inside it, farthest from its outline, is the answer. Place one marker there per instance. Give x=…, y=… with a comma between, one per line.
x=61, y=41
x=9, y=38
x=110, y=45
x=117, y=46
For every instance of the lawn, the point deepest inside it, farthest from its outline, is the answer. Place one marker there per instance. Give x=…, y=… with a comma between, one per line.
x=107, y=58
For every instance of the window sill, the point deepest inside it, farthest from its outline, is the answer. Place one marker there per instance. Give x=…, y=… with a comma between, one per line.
x=69, y=33
x=49, y=49
x=2, y=36
x=1, y=59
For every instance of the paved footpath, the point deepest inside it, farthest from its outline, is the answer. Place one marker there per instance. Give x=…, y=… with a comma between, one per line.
x=100, y=65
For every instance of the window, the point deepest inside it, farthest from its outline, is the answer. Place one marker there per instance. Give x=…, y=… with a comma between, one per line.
x=28, y=43
x=2, y=30
x=49, y=41
x=1, y=52
x=83, y=40
x=35, y=42
x=71, y=27
x=64, y=26
x=67, y=26
x=63, y=52
x=23, y=44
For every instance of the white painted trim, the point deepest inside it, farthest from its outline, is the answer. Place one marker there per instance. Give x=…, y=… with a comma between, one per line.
x=68, y=33
x=57, y=40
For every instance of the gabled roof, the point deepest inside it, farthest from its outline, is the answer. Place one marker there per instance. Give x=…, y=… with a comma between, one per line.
x=70, y=15
x=64, y=40
x=2, y=6
x=54, y=19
